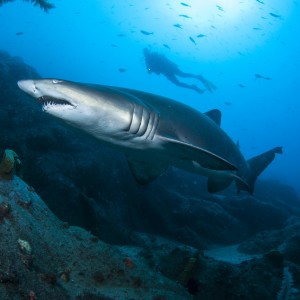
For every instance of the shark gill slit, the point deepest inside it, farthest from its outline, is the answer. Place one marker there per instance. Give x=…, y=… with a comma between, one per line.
x=153, y=125
x=136, y=119
x=143, y=123
x=131, y=115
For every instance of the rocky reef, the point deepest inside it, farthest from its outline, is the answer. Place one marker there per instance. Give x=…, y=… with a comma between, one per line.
x=170, y=237
x=44, y=258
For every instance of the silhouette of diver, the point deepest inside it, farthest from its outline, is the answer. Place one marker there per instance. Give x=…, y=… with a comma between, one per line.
x=159, y=64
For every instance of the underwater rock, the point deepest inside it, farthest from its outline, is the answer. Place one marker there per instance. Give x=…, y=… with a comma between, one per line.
x=276, y=245
x=291, y=248
x=186, y=275
x=275, y=257
x=39, y=254
x=287, y=290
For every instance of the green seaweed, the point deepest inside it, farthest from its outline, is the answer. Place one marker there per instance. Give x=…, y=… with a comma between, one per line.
x=43, y=4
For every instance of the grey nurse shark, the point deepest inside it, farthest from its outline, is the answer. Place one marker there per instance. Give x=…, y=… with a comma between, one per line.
x=153, y=132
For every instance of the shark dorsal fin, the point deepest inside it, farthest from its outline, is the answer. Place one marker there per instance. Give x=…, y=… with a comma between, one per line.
x=215, y=115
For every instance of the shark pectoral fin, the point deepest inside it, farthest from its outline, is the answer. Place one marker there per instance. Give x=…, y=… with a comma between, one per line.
x=144, y=171
x=212, y=161
x=204, y=157
x=216, y=185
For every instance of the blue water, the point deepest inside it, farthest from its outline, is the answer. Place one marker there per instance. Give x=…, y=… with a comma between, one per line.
x=88, y=41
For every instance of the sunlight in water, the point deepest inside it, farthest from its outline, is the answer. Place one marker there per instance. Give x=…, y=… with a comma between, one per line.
x=212, y=29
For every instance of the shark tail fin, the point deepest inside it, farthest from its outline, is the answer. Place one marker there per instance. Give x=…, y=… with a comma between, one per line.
x=257, y=165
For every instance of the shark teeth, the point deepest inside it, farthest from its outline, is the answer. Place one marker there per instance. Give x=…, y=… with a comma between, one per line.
x=47, y=105
x=49, y=102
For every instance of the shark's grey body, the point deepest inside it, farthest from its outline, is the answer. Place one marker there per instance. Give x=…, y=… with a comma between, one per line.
x=152, y=131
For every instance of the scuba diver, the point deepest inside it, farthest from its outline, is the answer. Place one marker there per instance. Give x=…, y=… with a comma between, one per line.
x=159, y=64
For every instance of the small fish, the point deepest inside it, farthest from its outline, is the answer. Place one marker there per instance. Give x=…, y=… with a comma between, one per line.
x=185, y=16
x=259, y=1
x=178, y=26
x=122, y=70
x=219, y=7
x=212, y=26
x=192, y=40
x=121, y=34
x=185, y=4
x=201, y=35
x=19, y=33
x=146, y=32
x=274, y=15
x=241, y=85
x=258, y=76
x=113, y=45
x=256, y=28
x=228, y=103
x=167, y=46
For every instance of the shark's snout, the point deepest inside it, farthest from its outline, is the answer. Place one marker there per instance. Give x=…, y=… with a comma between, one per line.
x=47, y=94
x=26, y=85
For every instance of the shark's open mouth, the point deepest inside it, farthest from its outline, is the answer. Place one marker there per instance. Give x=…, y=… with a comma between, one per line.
x=49, y=102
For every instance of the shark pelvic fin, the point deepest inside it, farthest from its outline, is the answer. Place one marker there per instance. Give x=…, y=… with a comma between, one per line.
x=242, y=184
x=145, y=172
x=215, y=185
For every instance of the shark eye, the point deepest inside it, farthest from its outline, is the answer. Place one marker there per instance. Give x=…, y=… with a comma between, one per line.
x=56, y=81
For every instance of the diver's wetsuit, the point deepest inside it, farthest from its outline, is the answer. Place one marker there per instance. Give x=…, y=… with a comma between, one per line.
x=159, y=64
